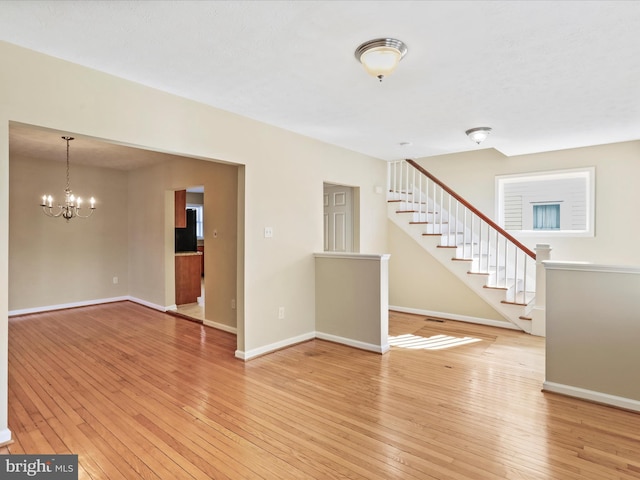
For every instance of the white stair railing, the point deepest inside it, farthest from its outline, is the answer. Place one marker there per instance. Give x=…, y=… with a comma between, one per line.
x=491, y=251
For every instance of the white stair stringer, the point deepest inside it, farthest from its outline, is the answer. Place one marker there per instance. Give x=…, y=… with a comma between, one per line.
x=495, y=297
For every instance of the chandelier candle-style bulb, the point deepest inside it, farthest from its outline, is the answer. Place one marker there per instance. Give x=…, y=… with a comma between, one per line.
x=72, y=204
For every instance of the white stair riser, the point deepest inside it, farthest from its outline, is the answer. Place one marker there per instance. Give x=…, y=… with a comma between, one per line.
x=494, y=297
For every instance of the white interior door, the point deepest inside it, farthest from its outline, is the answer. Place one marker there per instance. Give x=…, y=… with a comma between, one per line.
x=338, y=218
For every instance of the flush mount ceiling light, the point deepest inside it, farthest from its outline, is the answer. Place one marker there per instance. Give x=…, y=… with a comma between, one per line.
x=478, y=134
x=381, y=56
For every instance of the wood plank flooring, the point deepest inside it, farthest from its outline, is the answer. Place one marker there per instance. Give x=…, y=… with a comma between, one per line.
x=138, y=394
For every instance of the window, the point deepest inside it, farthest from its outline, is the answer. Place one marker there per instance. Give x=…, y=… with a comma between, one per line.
x=546, y=216
x=199, y=219
x=547, y=203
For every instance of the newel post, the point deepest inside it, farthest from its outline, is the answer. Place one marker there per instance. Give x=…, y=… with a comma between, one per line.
x=538, y=314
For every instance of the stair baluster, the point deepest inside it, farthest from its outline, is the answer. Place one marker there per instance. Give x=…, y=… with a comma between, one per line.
x=487, y=250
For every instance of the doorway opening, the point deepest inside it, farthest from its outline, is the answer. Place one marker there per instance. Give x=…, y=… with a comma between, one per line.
x=130, y=244
x=190, y=248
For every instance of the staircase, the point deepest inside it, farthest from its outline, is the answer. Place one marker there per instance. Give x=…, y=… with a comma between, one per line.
x=495, y=265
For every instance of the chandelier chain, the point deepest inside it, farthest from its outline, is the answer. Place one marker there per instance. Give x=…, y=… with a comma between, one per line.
x=67, y=139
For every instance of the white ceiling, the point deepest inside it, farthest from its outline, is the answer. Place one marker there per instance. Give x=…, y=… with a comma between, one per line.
x=544, y=75
x=46, y=144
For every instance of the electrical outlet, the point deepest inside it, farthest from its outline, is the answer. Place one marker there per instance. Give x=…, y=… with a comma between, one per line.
x=233, y=304
x=280, y=313
x=115, y=280
x=268, y=232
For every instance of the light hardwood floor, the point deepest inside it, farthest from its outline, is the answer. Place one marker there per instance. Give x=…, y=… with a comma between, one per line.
x=138, y=394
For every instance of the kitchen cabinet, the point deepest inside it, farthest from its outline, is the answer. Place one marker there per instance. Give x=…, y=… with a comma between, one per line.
x=181, y=208
x=188, y=277
x=201, y=250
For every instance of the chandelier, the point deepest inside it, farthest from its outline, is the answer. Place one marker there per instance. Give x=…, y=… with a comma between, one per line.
x=72, y=204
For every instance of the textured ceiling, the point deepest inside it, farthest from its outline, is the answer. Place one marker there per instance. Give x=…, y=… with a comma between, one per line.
x=45, y=144
x=543, y=75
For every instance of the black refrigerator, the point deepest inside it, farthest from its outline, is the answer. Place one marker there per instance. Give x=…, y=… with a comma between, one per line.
x=186, y=238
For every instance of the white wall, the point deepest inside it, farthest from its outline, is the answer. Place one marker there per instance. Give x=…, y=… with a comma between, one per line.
x=53, y=262
x=352, y=299
x=419, y=282
x=416, y=281
x=592, y=332
x=282, y=180
x=151, y=233
x=617, y=168
x=5, y=434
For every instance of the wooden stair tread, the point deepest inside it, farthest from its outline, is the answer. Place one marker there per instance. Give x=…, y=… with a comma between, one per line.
x=417, y=211
x=509, y=302
x=427, y=223
x=520, y=298
x=471, y=249
x=396, y=200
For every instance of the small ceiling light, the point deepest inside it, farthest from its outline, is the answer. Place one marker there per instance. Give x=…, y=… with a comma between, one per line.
x=381, y=56
x=478, y=134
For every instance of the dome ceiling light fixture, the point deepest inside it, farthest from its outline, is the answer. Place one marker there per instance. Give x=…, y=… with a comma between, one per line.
x=381, y=56
x=478, y=134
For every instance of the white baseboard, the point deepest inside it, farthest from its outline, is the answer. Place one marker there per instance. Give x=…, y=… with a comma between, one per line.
x=460, y=318
x=598, y=397
x=220, y=326
x=239, y=354
x=62, y=306
x=88, y=303
x=256, y=352
x=155, y=306
x=310, y=336
x=5, y=436
x=353, y=343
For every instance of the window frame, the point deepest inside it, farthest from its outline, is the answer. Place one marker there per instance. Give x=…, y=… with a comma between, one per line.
x=199, y=219
x=587, y=173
